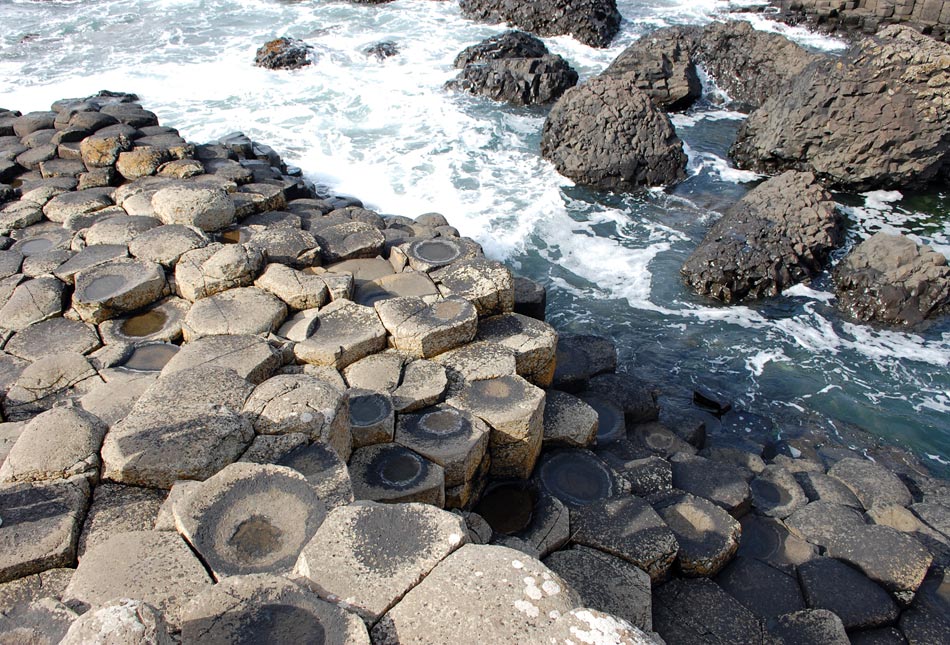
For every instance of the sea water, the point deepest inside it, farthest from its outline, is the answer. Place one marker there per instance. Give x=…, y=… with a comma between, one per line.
x=388, y=132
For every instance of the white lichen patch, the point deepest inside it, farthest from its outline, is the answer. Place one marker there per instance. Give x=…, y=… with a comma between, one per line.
x=554, y=614
x=527, y=608
x=604, y=629
x=454, y=539
x=517, y=564
x=551, y=588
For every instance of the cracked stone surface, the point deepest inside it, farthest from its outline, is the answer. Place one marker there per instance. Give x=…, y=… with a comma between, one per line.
x=118, y=622
x=298, y=290
x=247, y=310
x=343, y=333
x=214, y=268
x=487, y=284
x=50, y=379
x=33, y=301
x=454, y=439
x=56, y=444
x=425, y=330
x=114, y=288
x=251, y=357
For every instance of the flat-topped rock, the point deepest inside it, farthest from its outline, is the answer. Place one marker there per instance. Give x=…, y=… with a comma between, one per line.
x=33, y=542
x=33, y=301
x=70, y=204
x=764, y=589
x=477, y=361
x=211, y=269
x=577, y=477
x=871, y=483
x=87, y=258
x=449, y=437
x=117, y=508
x=251, y=357
x=250, y=518
x=372, y=417
x=426, y=255
x=859, y=602
x=423, y=384
x=409, y=284
x=606, y=583
x=776, y=493
x=204, y=431
x=487, y=284
x=209, y=209
x=377, y=372
x=720, y=483
x=160, y=322
x=102, y=149
x=167, y=243
x=633, y=396
x=114, y=288
x=514, y=410
x=42, y=622
x=370, y=555
x=568, y=421
x=297, y=289
x=628, y=528
x=52, y=337
x=301, y=403
x=156, y=567
x=247, y=310
x=267, y=608
x=343, y=333
x=325, y=471
x=708, y=537
x=425, y=330
x=288, y=246
x=819, y=522
x=348, y=241
x=118, y=622
x=49, y=380
x=698, y=611
x=822, y=487
x=810, y=626
x=522, y=596
x=533, y=341
x=389, y=472
x=56, y=444
x=117, y=228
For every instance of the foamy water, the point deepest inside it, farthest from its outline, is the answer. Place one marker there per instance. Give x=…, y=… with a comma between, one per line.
x=389, y=133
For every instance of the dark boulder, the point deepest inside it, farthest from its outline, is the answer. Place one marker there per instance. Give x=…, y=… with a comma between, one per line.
x=890, y=279
x=593, y=22
x=778, y=235
x=662, y=64
x=382, y=50
x=284, y=53
x=588, y=140
x=875, y=118
x=513, y=67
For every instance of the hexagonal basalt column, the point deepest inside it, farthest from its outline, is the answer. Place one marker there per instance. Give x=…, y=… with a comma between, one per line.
x=425, y=330
x=514, y=410
x=426, y=255
x=486, y=284
x=451, y=438
x=372, y=417
x=250, y=518
x=247, y=310
x=533, y=341
x=117, y=287
x=389, y=472
x=343, y=333
x=350, y=240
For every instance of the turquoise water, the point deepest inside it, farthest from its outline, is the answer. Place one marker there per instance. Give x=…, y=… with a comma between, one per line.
x=389, y=133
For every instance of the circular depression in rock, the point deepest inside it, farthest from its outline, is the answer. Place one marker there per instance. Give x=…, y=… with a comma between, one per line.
x=104, y=287
x=442, y=424
x=151, y=357
x=497, y=390
x=398, y=468
x=34, y=246
x=508, y=508
x=436, y=251
x=369, y=409
x=611, y=424
x=234, y=236
x=575, y=477
x=448, y=309
x=144, y=324
x=255, y=537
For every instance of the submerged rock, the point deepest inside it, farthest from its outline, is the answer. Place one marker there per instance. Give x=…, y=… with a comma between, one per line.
x=588, y=143
x=284, y=53
x=593, y=22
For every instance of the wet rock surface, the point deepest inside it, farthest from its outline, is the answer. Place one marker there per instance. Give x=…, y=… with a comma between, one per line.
x=593, y=22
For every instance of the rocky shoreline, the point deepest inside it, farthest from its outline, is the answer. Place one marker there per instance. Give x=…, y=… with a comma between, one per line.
x=239, y=407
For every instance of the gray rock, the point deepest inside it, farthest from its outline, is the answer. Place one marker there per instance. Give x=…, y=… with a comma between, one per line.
x=325, y=471
x=821, y=487
x=56, y=444
x=301, y=403
x=23, y=591
x=819, y=522
x=646, y=476
x=590, y=623
x=862, y=122
x=267, y=608
x=271, y=448
x=33, y=301
x=606, y=583
x=429, y=254
x=587, y=143
x=344, y=333
x=811, y=626
x=935, y=515
x=698, y=611
x=871, y=483
x=114, y=288
x=247, y=311
x=158, y=444
x=776, y=493
x=720, y=483
x=166, y=244
x=764, y=589
x=87, y=258
x=102, y=150
x=249, y=518
x=577, y=477
x=155, y=567
x=118, y=229
x=514, y=410
x=70, y=204
x=52, y=336
x=890, y=279
x=289, y=246
x=372, y=417
x=477, y=361
x=377, y=372
x=120, y=622
x=211, y=269
x=778, y=235
x=209, y=209
x=628, y=528
x=568, y=421
x=33, y=542
x=297, y=289
x=389, y=472
x=350, y=240
x=580, y=357
x=522, y=596
x=593, y=22
x=42, y=622
x=409, y=284
x=424, y=330
x=451, y=438
x=251, y=357
x=708, y=537
x=117, y=508
x=531, y=298
x=423, y=384
x=160, y=322
x=636, y=398
x=51, y=379
x=533, y=341
x=859, y=603
x=284, y=53
x=370, y=555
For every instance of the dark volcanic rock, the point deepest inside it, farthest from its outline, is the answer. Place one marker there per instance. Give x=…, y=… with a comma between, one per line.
x=778, y=235
x=663, y=66
x=593, y=22
x=890, y=279
x=875, y=119
x=283, y=53
x=514, y=67
x=588, y=143
x=382, y=50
